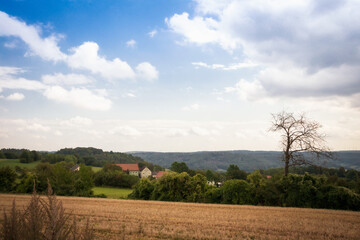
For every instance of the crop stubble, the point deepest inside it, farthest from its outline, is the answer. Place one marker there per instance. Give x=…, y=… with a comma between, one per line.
x=130, y=219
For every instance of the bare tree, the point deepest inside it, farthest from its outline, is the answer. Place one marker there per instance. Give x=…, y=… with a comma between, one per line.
x=299, y=135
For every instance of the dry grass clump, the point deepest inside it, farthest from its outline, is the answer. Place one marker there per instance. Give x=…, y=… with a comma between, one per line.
x=130, y=219
x=42, y=220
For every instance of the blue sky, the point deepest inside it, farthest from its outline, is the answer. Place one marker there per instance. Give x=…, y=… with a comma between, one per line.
x=176, y=75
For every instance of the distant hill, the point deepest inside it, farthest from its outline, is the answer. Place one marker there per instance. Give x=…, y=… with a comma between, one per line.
x=246, y=160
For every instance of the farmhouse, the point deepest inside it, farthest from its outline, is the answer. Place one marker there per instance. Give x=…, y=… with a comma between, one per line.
x=75, y=168
x=132, y=169
x=145, y=172
x=159, y=174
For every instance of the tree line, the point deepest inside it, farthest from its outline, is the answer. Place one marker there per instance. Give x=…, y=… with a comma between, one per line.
x=289, y=191
x=86, y=155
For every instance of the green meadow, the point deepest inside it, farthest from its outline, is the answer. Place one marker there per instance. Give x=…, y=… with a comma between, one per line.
x=16, y=162
x=96, y=169
x=114, y=193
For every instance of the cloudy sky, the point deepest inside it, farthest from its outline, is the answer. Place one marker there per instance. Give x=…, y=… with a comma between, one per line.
x=176, y=75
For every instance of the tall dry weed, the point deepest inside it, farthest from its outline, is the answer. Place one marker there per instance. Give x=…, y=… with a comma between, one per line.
x=42, y=220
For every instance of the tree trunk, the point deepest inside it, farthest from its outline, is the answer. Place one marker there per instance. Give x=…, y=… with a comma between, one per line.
x=286, y=168
x=287, y=160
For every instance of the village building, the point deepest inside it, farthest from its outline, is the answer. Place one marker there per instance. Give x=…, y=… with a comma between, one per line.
x=132, y=169
x=145, y=172
x=158, y=174
x=75, y=168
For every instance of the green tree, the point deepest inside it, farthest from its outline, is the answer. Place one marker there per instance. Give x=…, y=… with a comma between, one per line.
x=172, y=187
x=143, y=189
x=62, y=179
x=84, y=181
x=26, y=157
x=352, y=174
x=112, y=175
x=236, y=192
x=7, y=179
x=35, y=155
x=197, y=189
x=43, y=172
x=179, y=167
x=27, y=182
x=233, y=172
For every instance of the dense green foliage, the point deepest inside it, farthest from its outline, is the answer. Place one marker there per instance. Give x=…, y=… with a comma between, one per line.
x=234, y=172
x=246, y=160
x=97, y=157
x=172, y=187
x=7, y=179
x=25, y=155
x=29, y=156
x=64, y=181
x=113, y=176
x=291, y=191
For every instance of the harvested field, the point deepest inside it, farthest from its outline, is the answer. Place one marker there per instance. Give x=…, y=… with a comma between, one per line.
x=128, y=219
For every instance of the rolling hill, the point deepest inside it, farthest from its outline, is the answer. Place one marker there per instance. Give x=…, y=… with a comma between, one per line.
x=246, y=160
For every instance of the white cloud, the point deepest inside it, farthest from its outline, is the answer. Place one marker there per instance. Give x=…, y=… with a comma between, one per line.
x=58, y=133
x=310, y=33
x=248, y=90
x=200, y=30
x=234, y=66
x=21, y=83
x=86, y=57
x=83, y=57
x=46, y=48
x=79, y=97
x=200, y=131
x=15, y=97
x=292, y=81
x=65, y=79
x=126, y=131
x=12, y=44
x=78, y=121
x=131, y=43
x=9, y=80
x=6, y=72
x=129, y=95
x=37, y=127
x=147, y=71
x=153, y=33
x=177, y=132
x=304, y=48
x=192, y=107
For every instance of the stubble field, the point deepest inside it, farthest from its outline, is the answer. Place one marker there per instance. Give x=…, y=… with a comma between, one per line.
x=129, y=219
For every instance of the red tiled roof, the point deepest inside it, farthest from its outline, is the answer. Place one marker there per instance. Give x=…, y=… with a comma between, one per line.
x=159, y=174
x=129, y=167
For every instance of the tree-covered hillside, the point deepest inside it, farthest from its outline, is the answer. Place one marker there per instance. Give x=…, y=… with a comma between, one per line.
x=246, y=160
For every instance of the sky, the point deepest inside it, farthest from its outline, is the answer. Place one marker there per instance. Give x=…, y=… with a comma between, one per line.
x=176, y=75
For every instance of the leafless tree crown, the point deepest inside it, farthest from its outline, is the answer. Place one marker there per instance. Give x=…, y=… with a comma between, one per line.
x=299, y=135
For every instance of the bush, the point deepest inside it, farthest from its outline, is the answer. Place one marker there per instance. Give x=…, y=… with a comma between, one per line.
x=7, y=179
x=143, y=190
x=339, y=198
x=213, y=195
x=112, y=176
x=237, y=192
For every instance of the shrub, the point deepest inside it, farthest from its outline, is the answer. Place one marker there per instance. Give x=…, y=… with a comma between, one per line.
x=7, y=179
x=143, y=189
x=237, y=192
